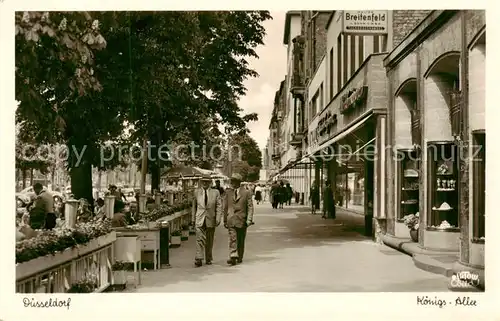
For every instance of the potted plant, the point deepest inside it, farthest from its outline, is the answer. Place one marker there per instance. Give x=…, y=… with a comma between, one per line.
x=175, y=239
x=412, y=221
x=185, y=233
x=86, y=285
x=119, y=276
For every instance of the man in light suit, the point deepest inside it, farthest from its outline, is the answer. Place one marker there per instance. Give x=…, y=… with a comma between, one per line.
x=238, y=215
x=206, y=216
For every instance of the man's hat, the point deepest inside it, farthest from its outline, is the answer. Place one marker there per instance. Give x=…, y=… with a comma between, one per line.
x=205, y=177
x=236, y=177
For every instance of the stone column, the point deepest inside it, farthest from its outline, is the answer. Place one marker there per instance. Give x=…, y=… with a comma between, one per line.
x=157, y=199
x=317, y=180
x=170, y=198
x=142, y=203
x=109, y=206
x=70, y=212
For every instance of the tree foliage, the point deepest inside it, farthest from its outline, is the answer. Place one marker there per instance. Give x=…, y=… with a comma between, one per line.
x=249, y=161
x=186, y=73
x=80, y=76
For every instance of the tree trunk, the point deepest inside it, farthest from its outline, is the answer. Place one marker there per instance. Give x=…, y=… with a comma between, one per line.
x=144, y=166
x=24, y=178
x=99, y=177
x=31, y=177
x=155, y=162
x=81, y=182
x=81, y=175
x=134, y=171
x=53, y=177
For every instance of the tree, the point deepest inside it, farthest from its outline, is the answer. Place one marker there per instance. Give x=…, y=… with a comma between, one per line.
x=81, y=75
x=249, y=157
x=58, y=87
x=186, y=73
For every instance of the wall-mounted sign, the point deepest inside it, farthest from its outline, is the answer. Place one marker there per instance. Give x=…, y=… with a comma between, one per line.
x=326, y=124
x=324, y=129
x=365, y=21
x=353, y=98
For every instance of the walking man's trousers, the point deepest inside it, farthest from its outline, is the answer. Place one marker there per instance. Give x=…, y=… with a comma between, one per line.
x=237, y=237
x=204, y=242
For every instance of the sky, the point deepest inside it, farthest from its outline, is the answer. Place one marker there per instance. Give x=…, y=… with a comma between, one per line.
x=271, y=67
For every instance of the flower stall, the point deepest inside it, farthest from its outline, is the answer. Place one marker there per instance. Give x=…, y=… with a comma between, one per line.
x=155, y=229
x=66, y=259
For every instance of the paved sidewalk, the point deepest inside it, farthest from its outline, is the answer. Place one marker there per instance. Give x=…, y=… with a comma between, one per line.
x=290, y=250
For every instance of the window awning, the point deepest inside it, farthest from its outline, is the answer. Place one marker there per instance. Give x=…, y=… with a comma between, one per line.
x=343, y=134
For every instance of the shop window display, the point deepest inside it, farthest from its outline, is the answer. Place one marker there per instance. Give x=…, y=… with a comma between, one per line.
x=409, y=172
x=442, y=186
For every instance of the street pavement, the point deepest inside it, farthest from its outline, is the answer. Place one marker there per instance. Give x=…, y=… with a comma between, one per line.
x=290, y=250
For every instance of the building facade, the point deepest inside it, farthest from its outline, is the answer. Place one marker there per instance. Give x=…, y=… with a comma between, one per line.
x=338, y=88
x=436, y=120
x=389, y=107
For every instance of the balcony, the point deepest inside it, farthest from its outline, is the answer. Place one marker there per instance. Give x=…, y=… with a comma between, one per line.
x=297, y=139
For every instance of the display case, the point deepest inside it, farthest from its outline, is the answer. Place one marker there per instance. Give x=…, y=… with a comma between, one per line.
x=442, y=186
x=409, y=173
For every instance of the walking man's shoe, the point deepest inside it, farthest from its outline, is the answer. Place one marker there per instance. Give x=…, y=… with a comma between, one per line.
x=232, y=261
x=209, y=262
x=240, y=260
x=197, y=263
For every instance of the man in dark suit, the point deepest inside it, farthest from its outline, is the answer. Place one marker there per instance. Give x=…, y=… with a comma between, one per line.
x=238, y=215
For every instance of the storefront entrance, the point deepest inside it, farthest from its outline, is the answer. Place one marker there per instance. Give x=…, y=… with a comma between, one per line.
x=348, y=162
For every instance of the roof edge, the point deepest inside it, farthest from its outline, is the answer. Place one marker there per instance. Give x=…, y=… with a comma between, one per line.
x=288, y=18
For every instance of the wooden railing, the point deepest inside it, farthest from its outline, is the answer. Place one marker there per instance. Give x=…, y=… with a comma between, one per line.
x=57, y=273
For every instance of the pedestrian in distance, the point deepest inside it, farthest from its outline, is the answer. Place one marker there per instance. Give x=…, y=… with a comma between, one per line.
x=219, y=188
x=282, y=194
x=328, y=201
x=258, y=194
x=289, y=194
x=238, y=216
x=314, y=197
x=206, y=216
x=275, y=195
x=266, y=195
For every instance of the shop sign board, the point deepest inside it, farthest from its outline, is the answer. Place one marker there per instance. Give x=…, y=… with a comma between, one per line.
x=323, y=129
x=372, y=22
x=313, y=134
x=353, y=98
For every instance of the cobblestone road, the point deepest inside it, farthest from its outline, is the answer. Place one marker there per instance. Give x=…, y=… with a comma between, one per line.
x=290, y=250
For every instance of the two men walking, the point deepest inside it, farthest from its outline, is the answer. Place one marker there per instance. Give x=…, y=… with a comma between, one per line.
x=208, y=207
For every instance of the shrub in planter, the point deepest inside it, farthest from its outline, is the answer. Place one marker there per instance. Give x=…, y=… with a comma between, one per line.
x=119, y=276
x=164, y=210
x=86, y=285
x=59, y=239
x=185, y=233
x=157, y=213
x=175, y=239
